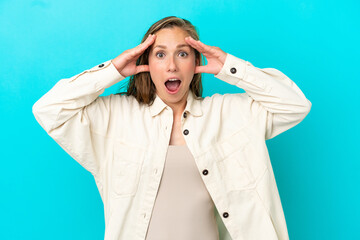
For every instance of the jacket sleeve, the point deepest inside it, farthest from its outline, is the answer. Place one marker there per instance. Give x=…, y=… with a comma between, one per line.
x=271, y=93
x=76, y=117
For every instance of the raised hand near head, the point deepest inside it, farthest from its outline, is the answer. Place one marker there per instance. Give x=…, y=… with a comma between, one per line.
x=125, y=63
x=214, y=55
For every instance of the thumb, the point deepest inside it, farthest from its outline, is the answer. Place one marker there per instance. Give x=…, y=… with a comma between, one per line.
x=142, y=68
x=200, y=69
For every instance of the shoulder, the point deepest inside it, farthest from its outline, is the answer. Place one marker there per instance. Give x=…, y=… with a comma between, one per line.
x=122, y=99
x=227, y=99
x=232, y=104
x=116, y=102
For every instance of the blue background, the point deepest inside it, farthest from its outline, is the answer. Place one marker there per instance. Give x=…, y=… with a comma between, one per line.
x=45, y=194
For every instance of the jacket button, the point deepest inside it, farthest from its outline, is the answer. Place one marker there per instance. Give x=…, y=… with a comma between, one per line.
x=101, y=65
x=184, y=114
x=225, y=214
x=186, y=132
x=233, y=70
x=205, y=172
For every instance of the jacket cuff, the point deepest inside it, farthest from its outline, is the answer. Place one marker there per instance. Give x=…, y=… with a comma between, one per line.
x=233, y=70
x=107, y=73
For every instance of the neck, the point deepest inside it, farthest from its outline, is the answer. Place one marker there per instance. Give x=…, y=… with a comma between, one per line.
x=179, y=107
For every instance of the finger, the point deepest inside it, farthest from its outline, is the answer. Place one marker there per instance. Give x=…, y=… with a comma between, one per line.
x=143, y=43
x=192, y=42
x=138, y=50
x=201, y=69
x=150, y=40
x=203, y=46
x=198, y=45
x=206, y=50
x=142, y=68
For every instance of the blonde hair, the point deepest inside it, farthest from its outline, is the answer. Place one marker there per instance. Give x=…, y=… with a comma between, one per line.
x=140, y=85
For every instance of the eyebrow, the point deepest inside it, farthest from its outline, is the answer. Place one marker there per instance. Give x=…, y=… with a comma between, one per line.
x=178, y=46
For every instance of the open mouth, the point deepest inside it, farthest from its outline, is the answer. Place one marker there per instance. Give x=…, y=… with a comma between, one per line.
x=172, y=85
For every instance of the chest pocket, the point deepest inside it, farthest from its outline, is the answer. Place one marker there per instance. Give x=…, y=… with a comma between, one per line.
x=232, y=163
x=126, y=170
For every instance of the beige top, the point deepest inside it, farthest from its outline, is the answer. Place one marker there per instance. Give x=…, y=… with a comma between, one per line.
x=183, y=207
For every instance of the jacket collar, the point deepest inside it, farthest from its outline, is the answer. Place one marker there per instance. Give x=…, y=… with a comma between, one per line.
x=193, y=105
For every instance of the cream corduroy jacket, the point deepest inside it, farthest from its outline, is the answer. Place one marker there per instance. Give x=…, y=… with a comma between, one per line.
x=123, y=144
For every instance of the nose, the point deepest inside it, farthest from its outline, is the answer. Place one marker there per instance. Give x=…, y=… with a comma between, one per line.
x=172, y=65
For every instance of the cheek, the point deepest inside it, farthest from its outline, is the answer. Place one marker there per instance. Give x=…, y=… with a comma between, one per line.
x=154, y=70
x=191, y=63
x=154, y=65
x=189, y=67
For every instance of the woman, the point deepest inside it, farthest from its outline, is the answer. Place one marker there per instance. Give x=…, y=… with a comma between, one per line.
x=168, y=163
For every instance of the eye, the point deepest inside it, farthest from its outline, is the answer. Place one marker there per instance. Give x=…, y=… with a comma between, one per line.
x=182, y=52
x=185, y=53
x=158, y=53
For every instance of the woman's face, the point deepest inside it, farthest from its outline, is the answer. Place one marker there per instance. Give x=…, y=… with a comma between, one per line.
x=169, y=60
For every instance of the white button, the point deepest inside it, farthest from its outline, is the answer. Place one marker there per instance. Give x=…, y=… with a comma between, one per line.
x=144, y=214
x=155, y=171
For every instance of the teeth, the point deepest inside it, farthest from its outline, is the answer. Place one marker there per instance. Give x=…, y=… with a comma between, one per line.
x=172, y=79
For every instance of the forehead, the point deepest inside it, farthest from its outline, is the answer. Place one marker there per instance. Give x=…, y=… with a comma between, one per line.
x=170, y=38
x=175, y=31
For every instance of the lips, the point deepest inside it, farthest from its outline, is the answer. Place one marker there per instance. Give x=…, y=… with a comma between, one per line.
x=174, y=85
x=172, y=78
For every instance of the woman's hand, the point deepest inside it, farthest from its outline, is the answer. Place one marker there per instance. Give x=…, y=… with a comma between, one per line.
x=214, y=55
x=125, y=63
